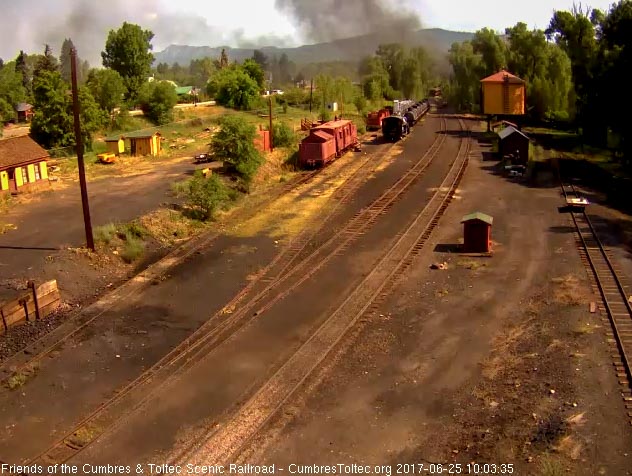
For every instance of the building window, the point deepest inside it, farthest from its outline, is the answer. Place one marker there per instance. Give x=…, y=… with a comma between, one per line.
x=25, y=175
x=37, y=172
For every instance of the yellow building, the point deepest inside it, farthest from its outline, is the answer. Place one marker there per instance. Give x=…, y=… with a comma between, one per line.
x=115, y=145
x=144, y=143
x=22, y=165
x=503, y=94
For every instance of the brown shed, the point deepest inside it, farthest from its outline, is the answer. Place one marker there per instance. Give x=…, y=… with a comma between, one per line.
x=144, y=143
x=515, y=143
x=477, y=233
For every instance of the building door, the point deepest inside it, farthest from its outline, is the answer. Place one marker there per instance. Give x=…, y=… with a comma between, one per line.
x=12, y=185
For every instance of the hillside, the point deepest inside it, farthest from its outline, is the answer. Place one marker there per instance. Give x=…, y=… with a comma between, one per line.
x=350, y=49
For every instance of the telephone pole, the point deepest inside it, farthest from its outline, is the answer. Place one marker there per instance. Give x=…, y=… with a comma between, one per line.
x=271, y=131
x=79, y=141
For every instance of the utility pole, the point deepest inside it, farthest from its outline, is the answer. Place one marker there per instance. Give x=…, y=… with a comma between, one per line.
x=311, y=96
x=79, y=141
x=271, y=131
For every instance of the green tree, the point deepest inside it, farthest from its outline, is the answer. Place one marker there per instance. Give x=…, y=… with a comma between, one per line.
x=7, y=112
x=223, y=59
x=107, y=88
x=233, y=87
x=527, y=52
x=255, y=71
x=234, y=145
x=493, y=51
x=201, y=70
x=64, y=60
x=157, y=100
x=261, y=59
x=392, y=57
x=128, y=52
x=465, y=85
x=46, y=63
x=53, y=124
x=22, y=68
x=205, y=196
x=12, y=91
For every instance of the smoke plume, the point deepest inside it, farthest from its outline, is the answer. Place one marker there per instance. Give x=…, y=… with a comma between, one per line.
x=29, y=24
x=327, y=20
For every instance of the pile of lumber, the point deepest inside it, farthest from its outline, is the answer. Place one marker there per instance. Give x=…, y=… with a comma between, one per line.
x=38, y=303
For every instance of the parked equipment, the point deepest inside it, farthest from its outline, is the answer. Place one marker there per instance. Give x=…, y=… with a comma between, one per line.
x=405, y=115
x=327, y=142
x=374, y=119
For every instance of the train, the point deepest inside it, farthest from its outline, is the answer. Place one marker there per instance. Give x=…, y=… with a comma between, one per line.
x=374, y=119
x=405, y=115
x=326, y=142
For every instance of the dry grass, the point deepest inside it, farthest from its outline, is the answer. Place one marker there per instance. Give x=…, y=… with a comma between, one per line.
x=550, y=466
x=569, y=291
x=170, y=226
x=20, y=378
x=83, y=436
x=503, y=357
x=471, y=264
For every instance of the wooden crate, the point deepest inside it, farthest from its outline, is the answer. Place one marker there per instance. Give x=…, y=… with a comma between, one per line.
x=23, y=309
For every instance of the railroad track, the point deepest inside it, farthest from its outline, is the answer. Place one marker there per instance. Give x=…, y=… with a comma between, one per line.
x=231, y=318
x=226, y=442
x=610, y=286
x=87, y=316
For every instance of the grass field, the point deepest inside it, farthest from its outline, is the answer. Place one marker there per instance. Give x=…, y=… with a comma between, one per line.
x=190, y=134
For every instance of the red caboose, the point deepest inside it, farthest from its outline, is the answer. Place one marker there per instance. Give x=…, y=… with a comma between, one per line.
x=327, y=141
x=374, y=119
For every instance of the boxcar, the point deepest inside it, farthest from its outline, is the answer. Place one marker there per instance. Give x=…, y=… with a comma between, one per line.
x=326, y=142
x=374, y=119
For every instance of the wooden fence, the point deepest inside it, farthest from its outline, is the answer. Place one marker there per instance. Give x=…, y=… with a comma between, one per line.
x=38, y=303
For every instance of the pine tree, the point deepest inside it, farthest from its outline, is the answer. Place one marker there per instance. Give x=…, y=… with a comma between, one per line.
x=46, y=63
x=20, y=67
x=64, y=60
x=223, y=59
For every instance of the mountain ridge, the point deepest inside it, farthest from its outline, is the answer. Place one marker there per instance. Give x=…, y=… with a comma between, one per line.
x=436, y=40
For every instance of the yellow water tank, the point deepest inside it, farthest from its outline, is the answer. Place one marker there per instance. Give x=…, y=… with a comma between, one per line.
x=503, y=94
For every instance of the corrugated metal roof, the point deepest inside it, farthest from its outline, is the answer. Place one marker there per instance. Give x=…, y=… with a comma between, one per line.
x=23, y=107
x=184, y=90
x=333, y=124
x=20, y=150
x=507, y=131
x=478, y=216
x=500, y=78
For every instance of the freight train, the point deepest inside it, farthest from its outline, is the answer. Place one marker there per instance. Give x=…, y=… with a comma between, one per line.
x=405, y=115
x=327, y=142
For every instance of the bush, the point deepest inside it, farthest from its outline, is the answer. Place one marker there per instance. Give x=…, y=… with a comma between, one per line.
x=324, y=115
x=234, y=87
x=361, y=105
x=283, y=135
x=105, y=234
x=204, y=195
x=133, y=248
x=157, y=100
x=234, y=144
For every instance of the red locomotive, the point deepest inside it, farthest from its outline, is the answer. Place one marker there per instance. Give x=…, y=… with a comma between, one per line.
x=327, y=142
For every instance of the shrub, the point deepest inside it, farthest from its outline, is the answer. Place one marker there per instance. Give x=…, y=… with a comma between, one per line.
x=324, y=115
x=157, y=100
x=283, y=135
x=105, y=234
x=133, y=248
x=204, y=195
x=361, y=105
x=234, y=144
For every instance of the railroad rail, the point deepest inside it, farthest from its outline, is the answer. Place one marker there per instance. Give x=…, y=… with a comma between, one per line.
x=614, y=297
x=221, y=445
x=230, y=319
x=85, y=317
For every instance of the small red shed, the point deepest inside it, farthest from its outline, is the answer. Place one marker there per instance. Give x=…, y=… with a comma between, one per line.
x=477, y=233
x=262, y=141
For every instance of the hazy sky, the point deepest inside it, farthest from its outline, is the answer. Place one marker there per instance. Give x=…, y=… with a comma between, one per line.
x=28, y=24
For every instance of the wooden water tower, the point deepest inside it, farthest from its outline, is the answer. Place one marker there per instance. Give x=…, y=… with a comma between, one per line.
x=503, y=94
